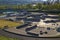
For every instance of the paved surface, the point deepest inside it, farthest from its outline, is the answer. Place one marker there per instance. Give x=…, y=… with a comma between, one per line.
x=24, y=38
x=22, y=31
x=18, y=31
x=50, y=33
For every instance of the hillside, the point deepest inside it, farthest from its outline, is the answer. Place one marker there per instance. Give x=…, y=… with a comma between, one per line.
x=15, y=2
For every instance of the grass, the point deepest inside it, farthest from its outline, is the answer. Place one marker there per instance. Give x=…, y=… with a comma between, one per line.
x=8, y=23
x=7, y=38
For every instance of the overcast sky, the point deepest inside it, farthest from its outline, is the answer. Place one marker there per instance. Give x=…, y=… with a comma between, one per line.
x=44, y=0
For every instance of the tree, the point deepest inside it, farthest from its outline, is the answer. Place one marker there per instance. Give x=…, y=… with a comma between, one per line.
x=39, y=6
x=28, y=6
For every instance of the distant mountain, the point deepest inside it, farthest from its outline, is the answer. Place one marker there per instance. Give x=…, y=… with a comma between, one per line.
x=15, y=2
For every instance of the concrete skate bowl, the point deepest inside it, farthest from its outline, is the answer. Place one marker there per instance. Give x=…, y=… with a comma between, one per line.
x=26, y=32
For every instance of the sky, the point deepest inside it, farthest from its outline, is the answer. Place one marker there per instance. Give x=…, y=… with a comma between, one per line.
x=44, y=0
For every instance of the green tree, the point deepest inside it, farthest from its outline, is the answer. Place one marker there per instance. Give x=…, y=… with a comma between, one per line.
x=28, y=6
x=39, y=6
